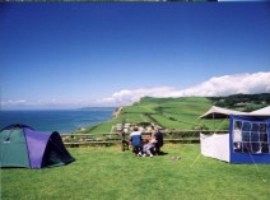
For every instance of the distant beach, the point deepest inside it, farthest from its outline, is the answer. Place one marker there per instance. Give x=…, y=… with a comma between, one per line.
x=64, y=121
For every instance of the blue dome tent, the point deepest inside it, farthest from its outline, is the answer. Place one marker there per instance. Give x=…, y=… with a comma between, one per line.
x=22, y=146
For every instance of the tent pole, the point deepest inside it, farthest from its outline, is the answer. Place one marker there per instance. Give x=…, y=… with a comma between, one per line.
x=213, y=116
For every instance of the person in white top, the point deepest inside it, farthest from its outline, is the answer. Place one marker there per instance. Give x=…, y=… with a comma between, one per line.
x=237, y=135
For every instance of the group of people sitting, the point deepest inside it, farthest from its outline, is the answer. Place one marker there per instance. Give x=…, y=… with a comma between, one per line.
x=148, y=146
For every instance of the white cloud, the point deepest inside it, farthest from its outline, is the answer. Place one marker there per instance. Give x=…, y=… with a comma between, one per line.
x=14, y=102
x=43, y=104
x=248, y=83
x=216, y=86
x=124, y=97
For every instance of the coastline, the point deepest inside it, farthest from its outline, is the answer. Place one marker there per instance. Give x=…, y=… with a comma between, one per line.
x=63, y=121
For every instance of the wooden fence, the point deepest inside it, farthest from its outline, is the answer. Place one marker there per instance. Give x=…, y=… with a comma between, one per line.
x=170, y=136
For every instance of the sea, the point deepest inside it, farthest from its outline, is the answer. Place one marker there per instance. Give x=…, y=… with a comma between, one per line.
x=63, y=121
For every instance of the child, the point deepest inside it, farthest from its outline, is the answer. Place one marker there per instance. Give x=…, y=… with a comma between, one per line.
x=148, y=147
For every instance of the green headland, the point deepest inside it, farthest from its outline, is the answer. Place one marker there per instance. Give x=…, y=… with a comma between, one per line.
x=180, y=113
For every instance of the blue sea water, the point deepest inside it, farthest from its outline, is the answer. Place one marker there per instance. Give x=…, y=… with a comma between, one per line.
x=64, y=121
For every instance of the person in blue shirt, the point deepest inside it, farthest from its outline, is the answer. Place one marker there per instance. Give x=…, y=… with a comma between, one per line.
x=136, y=141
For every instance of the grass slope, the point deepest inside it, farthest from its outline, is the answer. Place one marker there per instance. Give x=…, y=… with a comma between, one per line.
x=107, y=173
x=171, y=113
x=182, y=113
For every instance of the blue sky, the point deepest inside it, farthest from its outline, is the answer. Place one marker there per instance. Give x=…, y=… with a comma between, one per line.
x=73, y=55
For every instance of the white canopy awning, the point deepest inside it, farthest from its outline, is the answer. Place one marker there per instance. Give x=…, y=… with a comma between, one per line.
x=261, y=112
x=218, y=112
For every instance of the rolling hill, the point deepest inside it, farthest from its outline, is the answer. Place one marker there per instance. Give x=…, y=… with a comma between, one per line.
x=181, y=113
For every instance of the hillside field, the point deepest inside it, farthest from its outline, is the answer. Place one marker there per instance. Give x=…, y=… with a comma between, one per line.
x=182, y=113
x=169, y=113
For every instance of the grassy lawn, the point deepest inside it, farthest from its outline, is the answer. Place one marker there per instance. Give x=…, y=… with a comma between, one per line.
x=108, y=173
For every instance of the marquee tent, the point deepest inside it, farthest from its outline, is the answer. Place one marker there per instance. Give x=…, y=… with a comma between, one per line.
x=262, y=112
x=218, y=112
x=215, y=146
x=22, y=146
x=248, y=141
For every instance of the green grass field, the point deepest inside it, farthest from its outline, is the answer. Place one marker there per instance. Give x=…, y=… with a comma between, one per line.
x=108, y=173
x=171, y=113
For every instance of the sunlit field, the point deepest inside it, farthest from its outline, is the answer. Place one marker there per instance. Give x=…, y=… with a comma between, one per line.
x=108, y=173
